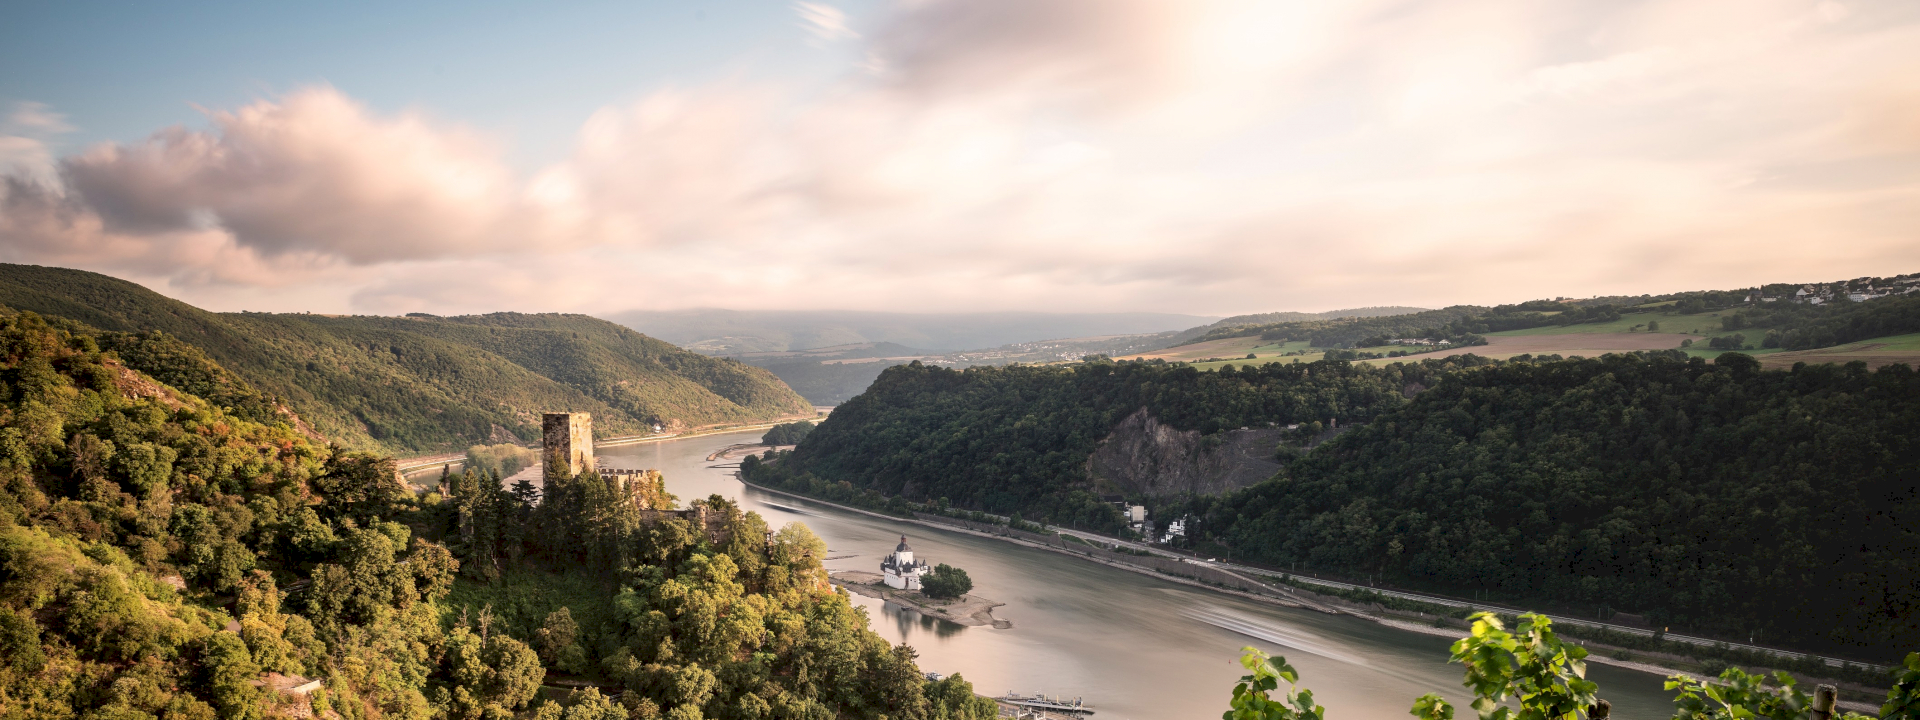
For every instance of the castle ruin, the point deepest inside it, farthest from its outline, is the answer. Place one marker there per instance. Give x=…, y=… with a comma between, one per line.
x=568, y=440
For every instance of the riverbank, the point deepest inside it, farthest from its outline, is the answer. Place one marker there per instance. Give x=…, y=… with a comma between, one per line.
x=1281, y=595
x=1277, y=599
x=969, y=610
x=740, y=450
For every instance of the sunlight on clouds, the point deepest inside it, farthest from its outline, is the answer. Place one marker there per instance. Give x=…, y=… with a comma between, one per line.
x=825, y=22
x=1209, y=156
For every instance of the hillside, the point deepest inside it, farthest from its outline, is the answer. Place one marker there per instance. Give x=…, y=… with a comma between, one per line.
x=420, y=384
x=163, y=558
x=1283, y=317
x=1714, y=496
x=730, y=332
x=1019, y=438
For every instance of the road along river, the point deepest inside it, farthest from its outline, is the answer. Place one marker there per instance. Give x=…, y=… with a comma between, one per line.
x=1134, y=646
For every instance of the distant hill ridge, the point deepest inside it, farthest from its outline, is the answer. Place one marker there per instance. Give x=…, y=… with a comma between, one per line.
x=1280, y=317
x=729, y=332
x=425, y=383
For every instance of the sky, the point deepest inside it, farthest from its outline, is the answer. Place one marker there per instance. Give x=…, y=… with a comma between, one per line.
x=1204, y=156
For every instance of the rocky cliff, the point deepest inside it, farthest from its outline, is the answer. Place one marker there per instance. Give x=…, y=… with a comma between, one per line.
x=1146, y=457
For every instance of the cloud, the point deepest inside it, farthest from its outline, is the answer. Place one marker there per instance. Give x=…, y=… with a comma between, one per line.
x=310, y=173
x=825, y=23
x=25, y=136
x=1208, y=156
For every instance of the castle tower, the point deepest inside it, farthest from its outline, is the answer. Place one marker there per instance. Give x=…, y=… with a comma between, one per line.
x=568, y=439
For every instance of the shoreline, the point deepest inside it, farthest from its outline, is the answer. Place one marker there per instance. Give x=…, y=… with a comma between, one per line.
x=1325, y=604
x=969, y=610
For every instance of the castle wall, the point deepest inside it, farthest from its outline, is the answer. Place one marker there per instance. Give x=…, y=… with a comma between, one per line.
x=568, y=438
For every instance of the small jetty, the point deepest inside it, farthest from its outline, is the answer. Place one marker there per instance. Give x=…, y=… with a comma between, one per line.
x=1076, y=706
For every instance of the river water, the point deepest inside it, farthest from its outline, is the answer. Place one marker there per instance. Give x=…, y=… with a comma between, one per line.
x=1134, y=646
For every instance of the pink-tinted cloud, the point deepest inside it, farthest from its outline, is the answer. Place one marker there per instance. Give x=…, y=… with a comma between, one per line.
x=1205, y=156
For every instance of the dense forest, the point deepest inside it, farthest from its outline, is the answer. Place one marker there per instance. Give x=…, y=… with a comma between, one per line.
x=1804, y=327
x=418, y=383
x=1017, y=438
x=1711, y=496
x=164, y=557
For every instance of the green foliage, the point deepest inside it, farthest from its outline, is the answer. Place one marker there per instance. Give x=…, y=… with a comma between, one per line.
x=1529, y=674
x=1017, y=438
x=788, y=433
x=1252, y=697
x=1459, y=324
x=1903, y=700
x=1803, y=327
x=1735, y=341
x=489, y=674
x=945, y=581
x=952, y=698
x=1716, y=497
x=1740, y=695
x=406, y=384
x=131, y=513
x=1546, y=677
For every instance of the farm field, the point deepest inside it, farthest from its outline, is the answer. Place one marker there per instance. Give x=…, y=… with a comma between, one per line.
x=1875, y=353
x=1587, y=340
x=1696, y=324
x=1222, y=348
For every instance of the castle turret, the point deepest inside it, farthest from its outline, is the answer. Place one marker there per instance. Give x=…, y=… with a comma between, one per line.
x=568, y=438
x=900, y=570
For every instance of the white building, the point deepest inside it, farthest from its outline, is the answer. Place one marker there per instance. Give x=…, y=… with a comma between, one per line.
x=1177, y=528
x=902, y=571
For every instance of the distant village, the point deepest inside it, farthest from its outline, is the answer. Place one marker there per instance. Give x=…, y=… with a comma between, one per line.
x=1856, y=290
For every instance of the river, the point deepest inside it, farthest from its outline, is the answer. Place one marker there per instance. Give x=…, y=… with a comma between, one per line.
x=1134, y=646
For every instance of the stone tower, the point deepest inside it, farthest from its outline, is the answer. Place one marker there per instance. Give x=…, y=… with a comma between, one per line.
x=568, y=439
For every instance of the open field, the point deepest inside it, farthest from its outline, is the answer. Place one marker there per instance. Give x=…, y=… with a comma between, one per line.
x=1502, y=347
x=1627, y=334
x=1875, y=353
x=1699, y=324
x=1223, y=348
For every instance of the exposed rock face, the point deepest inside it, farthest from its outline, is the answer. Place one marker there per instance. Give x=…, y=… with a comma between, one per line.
x=1144, y=456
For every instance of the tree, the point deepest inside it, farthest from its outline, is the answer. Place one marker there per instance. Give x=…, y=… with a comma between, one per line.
x=489, y=671
x=558, y=639
x=787, y=434
x=1653, y=326
x=229, y=669
x=946, y=581
x=361, y=486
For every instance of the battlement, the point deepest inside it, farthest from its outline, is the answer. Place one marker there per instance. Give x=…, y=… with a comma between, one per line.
x=704, y=521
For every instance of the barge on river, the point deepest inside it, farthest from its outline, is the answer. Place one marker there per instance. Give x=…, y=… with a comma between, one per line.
x=1042, y=702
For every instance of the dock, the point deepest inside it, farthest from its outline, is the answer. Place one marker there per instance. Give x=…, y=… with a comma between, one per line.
x=1077, y=706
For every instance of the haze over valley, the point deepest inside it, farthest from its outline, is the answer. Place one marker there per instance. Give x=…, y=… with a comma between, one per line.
x=960, y=360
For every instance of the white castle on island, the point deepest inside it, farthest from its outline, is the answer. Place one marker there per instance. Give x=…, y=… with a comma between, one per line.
x=902, y=571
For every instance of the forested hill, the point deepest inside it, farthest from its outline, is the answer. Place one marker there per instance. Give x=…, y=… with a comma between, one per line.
x=1713, y=497
x=1707, y=496
x=419, y=384
x=1018, y=438
x=161, y=557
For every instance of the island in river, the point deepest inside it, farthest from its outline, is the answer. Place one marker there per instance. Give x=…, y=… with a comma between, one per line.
x=969, y=610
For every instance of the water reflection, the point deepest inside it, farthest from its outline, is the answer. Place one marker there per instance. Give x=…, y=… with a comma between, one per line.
x=1134, y=646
